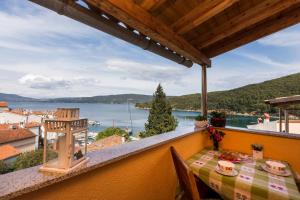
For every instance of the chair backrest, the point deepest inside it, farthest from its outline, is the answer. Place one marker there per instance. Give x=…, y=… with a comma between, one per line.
x=185, y=176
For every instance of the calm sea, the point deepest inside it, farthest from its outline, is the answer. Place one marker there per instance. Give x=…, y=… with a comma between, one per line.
x=119, y=115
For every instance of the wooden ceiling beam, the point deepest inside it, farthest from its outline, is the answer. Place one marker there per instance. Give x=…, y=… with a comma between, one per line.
x=139, y=19
x=248, y=18
x=203, y=12
x=269, y=26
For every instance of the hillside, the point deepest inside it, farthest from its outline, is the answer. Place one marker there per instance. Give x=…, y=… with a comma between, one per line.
x=14, y=98
x=119, y=98
x=245, y=99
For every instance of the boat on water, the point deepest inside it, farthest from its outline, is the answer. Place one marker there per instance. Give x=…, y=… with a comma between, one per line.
x=93, y=123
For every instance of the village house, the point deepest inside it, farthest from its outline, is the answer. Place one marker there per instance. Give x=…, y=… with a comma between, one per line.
x=8, y=153
x=21, y=139
x=3, y=106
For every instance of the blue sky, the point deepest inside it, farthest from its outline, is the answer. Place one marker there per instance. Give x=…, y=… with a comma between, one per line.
x=43, y=54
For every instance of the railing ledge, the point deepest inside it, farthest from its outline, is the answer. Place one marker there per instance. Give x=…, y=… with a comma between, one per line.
x=264, y=132
x=27, y=180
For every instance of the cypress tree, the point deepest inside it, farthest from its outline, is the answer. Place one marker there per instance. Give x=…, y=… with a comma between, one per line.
x=160, y=119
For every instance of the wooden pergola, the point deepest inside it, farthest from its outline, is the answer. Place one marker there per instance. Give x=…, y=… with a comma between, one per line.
x=284, y=104
x=184, y=31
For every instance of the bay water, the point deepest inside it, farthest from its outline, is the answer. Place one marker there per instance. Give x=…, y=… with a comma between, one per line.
x=118, y=115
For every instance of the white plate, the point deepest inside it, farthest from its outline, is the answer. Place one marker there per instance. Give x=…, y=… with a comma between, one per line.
x=286, y=173
x=233, y=173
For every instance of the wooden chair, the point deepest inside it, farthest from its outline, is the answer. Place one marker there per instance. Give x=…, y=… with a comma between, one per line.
x=185, y=176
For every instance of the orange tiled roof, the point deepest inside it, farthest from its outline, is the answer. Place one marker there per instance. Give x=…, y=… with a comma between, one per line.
x=37, y=112
x=18, y=111
x=8, y=151
x=8, y=126
x=4, y=126
x=32, y=124
x=106, y=142
x=11, y=135
x=3, y=104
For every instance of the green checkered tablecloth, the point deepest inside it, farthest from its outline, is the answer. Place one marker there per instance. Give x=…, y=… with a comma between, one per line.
x=250, y=183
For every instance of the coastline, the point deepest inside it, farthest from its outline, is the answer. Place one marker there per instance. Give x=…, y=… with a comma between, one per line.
x=229, y=112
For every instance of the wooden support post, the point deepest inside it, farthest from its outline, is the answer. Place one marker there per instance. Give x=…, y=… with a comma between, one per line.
x=86, y=140
x=69, y=146
x=204, y=92
x=280, y=120
x=286, y=116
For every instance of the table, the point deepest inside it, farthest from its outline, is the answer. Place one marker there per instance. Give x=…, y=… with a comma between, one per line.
x=251, y=182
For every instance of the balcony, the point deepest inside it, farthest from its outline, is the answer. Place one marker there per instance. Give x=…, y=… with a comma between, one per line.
x=144, y=169
x=131, y=170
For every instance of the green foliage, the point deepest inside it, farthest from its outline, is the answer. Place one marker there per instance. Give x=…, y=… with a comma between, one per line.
x=160, y=119
x=216, y=114
x=78, y=154
x=257, y=147
x=25, y=160
x=245, y=99
x=32, y=158
x=200, y=118
x=112, y=131
x=5, y=168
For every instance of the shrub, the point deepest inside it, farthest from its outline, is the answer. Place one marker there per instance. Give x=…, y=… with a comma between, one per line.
x=200, y=118
x=5, y=168
x=216, y=114
x=32, y=158
x=112, y=131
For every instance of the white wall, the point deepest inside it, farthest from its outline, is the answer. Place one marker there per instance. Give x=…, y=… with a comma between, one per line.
x=23, y=145
x=293, y=127
x=7, y=117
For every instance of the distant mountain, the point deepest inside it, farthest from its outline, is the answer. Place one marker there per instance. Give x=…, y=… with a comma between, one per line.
x=119, y=98
x=249, y=98
x=15, y=98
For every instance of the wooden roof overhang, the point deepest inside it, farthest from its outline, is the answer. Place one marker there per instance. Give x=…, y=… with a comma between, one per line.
x=185, y=31
x=285, y=102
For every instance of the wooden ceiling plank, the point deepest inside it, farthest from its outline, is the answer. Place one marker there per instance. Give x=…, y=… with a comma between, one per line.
x=260, y=12
x=268, y=27
x=151, y=4
x=203, y=12
x=139, y=19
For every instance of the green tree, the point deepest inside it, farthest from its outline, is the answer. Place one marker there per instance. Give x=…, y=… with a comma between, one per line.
x=160, y=119
x=112, y=131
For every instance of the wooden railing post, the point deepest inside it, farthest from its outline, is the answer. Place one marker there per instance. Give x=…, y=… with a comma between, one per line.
x=204, y=92
x=286, y=116
x=280, y=120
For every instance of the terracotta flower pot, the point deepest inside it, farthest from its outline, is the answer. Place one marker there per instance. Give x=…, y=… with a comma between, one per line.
x=257, y=154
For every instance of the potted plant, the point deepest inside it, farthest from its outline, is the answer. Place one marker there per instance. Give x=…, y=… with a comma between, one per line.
x=257, y=150
x=216, y=136
x=218, y=119
x=201, y=121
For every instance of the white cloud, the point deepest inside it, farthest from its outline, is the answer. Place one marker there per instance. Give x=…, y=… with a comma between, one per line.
x=36, y=81
x=268, y=61
x=282, y=39
x=143, y=71
x=40, y=24
x=43, y=54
